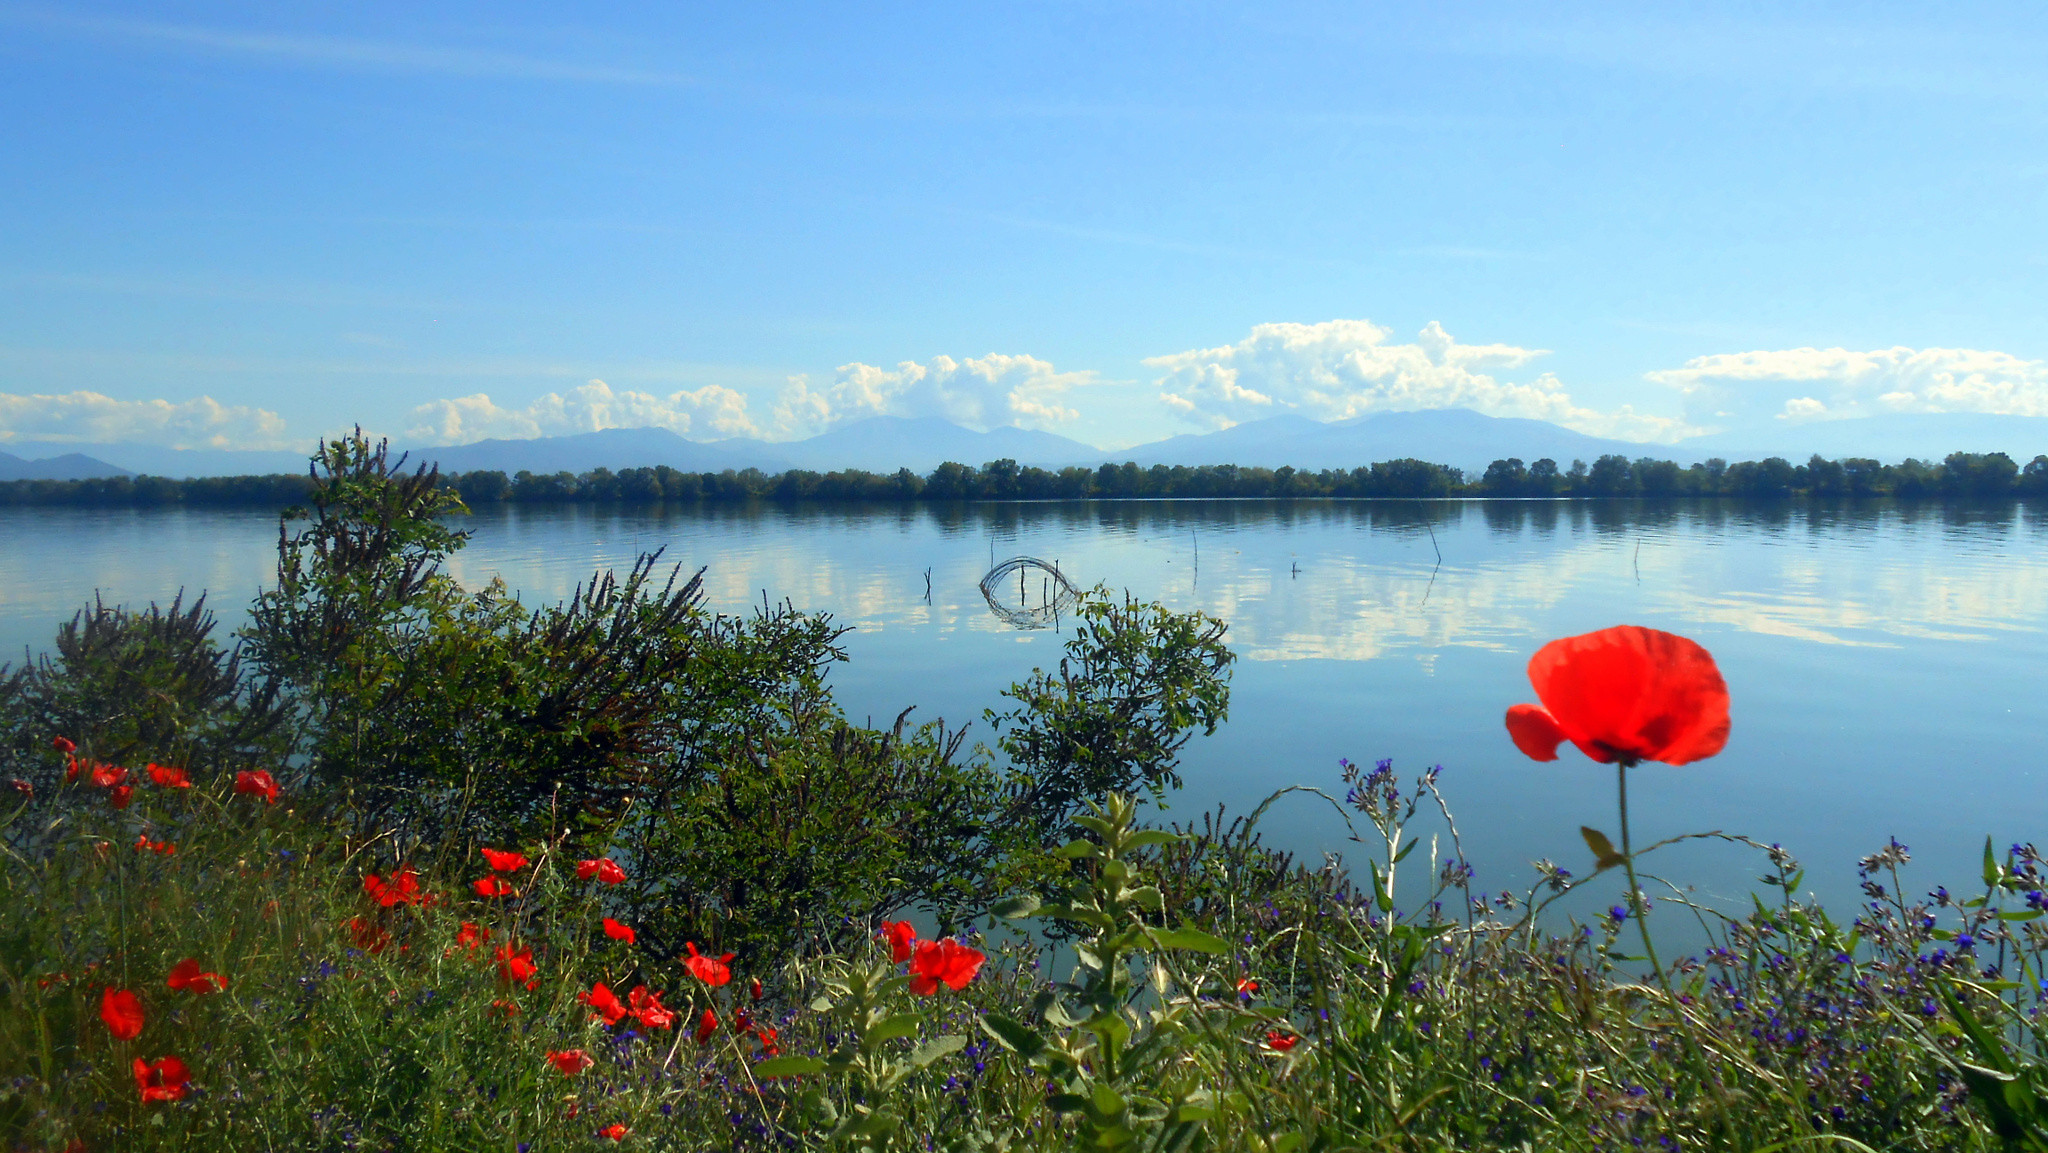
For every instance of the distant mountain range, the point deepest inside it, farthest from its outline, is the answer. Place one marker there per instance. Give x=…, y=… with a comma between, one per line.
x=1454, y=436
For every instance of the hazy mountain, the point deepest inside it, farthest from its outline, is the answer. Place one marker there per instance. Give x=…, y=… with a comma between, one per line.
x=155, y=460
x=1453, y=436
x=1893, y=438
x=614, y=448
x=887, y=443
x=69, y=466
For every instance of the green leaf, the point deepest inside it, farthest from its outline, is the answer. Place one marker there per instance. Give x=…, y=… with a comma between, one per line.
x=821, y=1004
x=1108, y=1102
x=788, y=1067
x=1017, y=907
x=1015, y=1036
x=1604, y=856
x=1189, y=940
x=2022, y=915
x=1155, y=837
x=890, y=1028
x=936, y=1048
x=1146, y=897
x=1991, y=869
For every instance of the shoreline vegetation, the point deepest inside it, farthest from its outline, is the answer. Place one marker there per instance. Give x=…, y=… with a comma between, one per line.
x=412, y=866
x=1959, y=476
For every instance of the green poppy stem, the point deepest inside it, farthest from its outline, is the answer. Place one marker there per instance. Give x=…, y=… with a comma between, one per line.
x=1628, y=861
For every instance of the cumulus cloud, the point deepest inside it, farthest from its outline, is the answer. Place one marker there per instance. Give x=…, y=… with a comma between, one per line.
x=1806, y=384
x=93, y=418
x=1345, y=368
x=708, y=412
x=979, y=393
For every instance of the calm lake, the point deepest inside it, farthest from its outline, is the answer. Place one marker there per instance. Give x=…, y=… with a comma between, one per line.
x=1888, y=665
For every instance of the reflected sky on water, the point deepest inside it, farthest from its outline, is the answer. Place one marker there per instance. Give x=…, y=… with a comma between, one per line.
x=1886, y=663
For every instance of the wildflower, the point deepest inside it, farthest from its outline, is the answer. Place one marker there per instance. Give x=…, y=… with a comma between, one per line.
x=1618, y=914
x=766, y=1035
x=120, y=795
x=258, y=783
x=1280, y=1041
x=1624, y=694
x=167, y=777
x=108, y=776
x=902, y=939
x=469, y=936
x=122, y=1011
x=23, y=787
x=161, y=848
x=648, y=1009
x=618, y=932
x=517, y=967
x=945, y=961
x=606, y=1002
x=713, y=971
x=614, y=1131
x=63, y=745
x=504, y=861
x=506, y=1009
x=1247, y=987
x=402, y=889
x=186, y=975
x=571, y=1061
x=706, y=1026
x=369, y=936
x=754, y=989
x=164, y=1079
x=603, y=868
x=493, y=887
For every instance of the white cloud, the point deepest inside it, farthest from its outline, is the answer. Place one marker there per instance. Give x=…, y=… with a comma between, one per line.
x=1802, y=384
x=710, y=411
x=980, y=393
x=93, y=418
x=1345, y=368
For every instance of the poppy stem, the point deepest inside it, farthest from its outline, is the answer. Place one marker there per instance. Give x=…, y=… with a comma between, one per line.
x=1637, y=903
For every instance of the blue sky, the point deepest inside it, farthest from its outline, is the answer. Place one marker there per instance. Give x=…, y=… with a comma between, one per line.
x=248, y=225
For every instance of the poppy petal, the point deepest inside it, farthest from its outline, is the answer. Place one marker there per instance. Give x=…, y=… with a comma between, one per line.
x=1535, y=732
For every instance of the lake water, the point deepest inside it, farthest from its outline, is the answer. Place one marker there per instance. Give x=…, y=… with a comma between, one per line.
x=1888, y=666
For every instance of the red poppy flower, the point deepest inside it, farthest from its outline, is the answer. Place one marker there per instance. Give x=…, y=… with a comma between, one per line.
x=947, y=961
x=369, y=936
x=120, y=795
x=648, y=1009
x=606, y=1002
x=259, y=783
x=618, y=932
x=505, y=862
x=144, y=844
x=186, y=975
x=72, y=767
x=516, y=968
x=1280, y=1042
x=766, y=1034
x=107, y=776
x=1624, y=694
x=122, y=1011
x=615, y=1132
x=706, y=1026
x=402, y=889
x=571, y=1061
x=1246, y=987
x=470, y=936
x=168, y=777
x=754, y=989
x=63, y=745
x=603, y=868
x=711, y=970
x=493, y=887
x=902, y=939
x=506, y=1009
x=23, y=787
x=164, y=1079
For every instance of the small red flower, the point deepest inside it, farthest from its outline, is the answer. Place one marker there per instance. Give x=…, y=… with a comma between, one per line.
x=402, y=889
x=1246, y=987
x=506, y=1009
x=517, y=968
x=648, y=1009
x=947, y=961
x=259, y=783
x=618, y=932
x=902, y=939
x=766, y=1034
x=63, y=745
x=606, y=1002
x=713, y=971
x=571, y=1061
x=1624, y=694
x=72, y=767
x=164, y=1079
x=369, y=936
x=470, y=936
x=754, y=989
x=122, y=1011
x=505, y=862
x=706, y=1026
x=168, y=777
x=120, y=795
x=23, y=787
x=493, y=887
x=603, y=868
x=107, y=776
x=144, y=844
x=615, y=1132
x=1280, y=1042
x=186, y=975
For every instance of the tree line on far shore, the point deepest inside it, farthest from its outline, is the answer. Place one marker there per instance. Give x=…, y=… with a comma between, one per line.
x=1961, y=475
